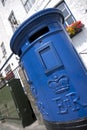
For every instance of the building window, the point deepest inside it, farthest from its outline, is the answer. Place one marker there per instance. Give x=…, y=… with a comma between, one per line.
x=3, y=49
x=41, y=4
x=8, y=69
x=9, y=73
x=13, y=21
x=28, y=4
x=69, y=18
x=3, y=2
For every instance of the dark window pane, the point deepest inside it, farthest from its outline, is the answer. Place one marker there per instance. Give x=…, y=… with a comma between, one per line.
x=70, y=20
x=14, y=23
x=61, y=6
x=27, y=4
x=65, y=13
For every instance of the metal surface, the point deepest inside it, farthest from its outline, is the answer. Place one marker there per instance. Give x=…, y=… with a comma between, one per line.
x=57, y=75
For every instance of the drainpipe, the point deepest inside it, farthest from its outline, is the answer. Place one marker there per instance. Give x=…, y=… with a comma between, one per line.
x=6, y=61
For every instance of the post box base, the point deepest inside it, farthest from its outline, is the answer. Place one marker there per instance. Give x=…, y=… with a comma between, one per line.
x=74, y=125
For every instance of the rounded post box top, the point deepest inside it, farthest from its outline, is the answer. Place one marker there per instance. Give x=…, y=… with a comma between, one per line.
x=21, y=32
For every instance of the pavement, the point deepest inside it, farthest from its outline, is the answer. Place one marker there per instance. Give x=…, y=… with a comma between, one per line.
x=10, y=126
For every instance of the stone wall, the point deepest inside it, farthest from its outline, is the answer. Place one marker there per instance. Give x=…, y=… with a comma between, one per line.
x=30, y=97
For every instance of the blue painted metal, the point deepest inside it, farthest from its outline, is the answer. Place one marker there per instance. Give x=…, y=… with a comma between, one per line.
x=57, y=75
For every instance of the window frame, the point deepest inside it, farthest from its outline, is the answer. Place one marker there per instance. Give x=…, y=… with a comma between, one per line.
x=13, y=21
x=68, y=10
x=7, y=69
x=3, y=2
x=27, y=5
x=3, y=48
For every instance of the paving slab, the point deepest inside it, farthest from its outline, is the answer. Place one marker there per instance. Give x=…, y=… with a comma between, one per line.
x=34, y=126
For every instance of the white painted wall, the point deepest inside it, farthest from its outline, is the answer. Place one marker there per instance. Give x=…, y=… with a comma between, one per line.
x=6, y=31
x=79, y=10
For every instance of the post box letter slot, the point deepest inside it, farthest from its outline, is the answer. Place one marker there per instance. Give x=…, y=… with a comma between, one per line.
x=38, y=33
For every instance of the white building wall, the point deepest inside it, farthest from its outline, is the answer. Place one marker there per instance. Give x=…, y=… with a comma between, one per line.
x=79, y=10
x=5, y=11
x=6, y=31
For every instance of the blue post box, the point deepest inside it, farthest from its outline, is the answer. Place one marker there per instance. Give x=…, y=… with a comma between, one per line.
x=57, y=76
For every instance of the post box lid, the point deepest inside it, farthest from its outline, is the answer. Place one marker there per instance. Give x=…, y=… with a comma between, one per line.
x=16, y=40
